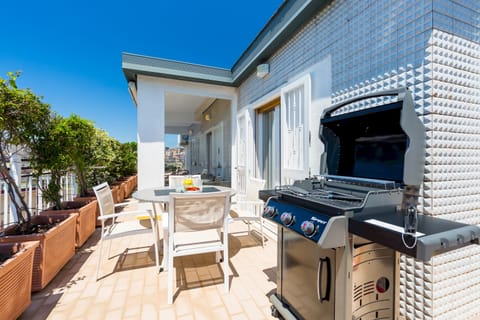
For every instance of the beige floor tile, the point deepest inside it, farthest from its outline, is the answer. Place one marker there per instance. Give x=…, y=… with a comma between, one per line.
x=113, y=315
x=251, y=309
x=149, y=312
x=130, y=288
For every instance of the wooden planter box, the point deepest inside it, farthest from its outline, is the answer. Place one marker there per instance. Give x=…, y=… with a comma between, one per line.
x=126, y=188
x=117, y=193
x=89, y=198
x=86, y=217
x=56, y=247
x=132, y=185
x=16, y=278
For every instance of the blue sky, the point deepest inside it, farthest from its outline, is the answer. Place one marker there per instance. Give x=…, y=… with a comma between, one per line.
x=70, y=52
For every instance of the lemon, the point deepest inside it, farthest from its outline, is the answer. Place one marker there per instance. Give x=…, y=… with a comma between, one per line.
x=188, y=182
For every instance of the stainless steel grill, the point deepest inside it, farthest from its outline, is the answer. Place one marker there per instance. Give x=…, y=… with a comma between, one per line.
x=340, y=233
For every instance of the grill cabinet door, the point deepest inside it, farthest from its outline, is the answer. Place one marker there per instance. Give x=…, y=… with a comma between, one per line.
x=307, y=277
x=374, y=278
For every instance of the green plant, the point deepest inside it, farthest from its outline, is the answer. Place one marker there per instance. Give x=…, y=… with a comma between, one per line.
x=125, y=161
x=23, y=118
x=105, y=152
x=128, y=156
x=51, y=154
x=80, y=133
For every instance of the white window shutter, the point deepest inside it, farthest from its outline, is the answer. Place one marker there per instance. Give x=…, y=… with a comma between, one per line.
x=242, y=143
x=295, y=104
x=217, y=149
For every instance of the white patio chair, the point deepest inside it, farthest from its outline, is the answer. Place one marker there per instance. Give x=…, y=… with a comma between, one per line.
x=248, y=207
x=111, y=228
x=195, y=223
x=177, y=181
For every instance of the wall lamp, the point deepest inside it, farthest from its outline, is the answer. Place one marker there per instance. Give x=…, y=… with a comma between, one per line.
x=207, y=114
x=263, y=70
x=132, y=88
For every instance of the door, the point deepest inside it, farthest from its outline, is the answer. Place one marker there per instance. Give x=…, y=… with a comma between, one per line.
x=217, y=150
x=209, y=153
x=245, y=152
x=308, y=277
x=269, y=143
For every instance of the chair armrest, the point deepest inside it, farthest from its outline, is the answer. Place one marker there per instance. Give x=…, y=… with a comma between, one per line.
x=127, y=213
x=121, y=204
x=252, y=207
x=250, y=203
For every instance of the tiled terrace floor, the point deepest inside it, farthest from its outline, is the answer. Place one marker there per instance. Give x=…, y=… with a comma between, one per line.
x=130, y=288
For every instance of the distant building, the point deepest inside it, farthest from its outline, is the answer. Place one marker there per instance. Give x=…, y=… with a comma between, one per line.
x=175, y=157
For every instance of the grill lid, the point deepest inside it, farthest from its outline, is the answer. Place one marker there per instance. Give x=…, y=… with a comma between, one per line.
x=384, y=141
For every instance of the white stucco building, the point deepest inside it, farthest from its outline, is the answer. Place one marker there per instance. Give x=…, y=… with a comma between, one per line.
x=315, y=53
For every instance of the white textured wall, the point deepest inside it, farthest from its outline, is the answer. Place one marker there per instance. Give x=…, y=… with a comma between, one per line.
x=432, y=47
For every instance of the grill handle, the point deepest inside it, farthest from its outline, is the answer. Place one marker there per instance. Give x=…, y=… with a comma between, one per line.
x=321, y=263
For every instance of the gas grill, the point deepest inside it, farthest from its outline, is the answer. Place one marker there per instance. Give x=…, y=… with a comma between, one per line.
x=340, y=233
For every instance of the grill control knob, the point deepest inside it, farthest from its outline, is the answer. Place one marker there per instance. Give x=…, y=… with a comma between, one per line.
x=308, y=228
x=287, y=218
x=269, y=211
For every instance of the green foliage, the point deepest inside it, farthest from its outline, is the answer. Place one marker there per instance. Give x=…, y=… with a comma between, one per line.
x=23, y=119
x=170, y=167
x=57, y=145
x=51, y=154
x=105, y=148
x=22, y=114
x=125, y=160
x=128, y=154
x=80, y=134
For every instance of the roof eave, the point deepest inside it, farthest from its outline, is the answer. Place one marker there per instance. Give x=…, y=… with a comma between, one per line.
x=134, y=65
x=289, y=17
x=279, y=29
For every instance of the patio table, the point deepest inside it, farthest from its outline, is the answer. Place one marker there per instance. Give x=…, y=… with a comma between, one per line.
x=161, y=196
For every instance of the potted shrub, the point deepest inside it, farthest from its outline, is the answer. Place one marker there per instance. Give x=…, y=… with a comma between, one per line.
x=97, y=171
x=85, y=210
x=56, y=237
x=16, y=261
x=127, y=166
x=90, y=198
x=54, y=155
x=25, y=122
x=122, y=168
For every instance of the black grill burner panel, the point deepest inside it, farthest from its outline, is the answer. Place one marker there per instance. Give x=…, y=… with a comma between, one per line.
x=337, y=195
x=327, y=200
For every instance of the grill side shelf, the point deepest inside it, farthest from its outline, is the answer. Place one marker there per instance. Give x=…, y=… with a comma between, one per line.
x=434, y=235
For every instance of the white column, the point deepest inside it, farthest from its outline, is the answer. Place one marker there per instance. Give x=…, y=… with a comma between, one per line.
x=30, y=192
x=233, y=141
x=6, y=206
x=151, y=133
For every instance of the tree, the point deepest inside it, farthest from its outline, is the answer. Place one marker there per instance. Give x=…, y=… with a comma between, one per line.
x=80, y=133
x=23, y=118
x=128, y=158
x=105, y=152
x=51, y=154
x=124, y=162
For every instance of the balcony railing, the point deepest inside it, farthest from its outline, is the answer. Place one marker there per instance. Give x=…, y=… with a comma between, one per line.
x=32, y=194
